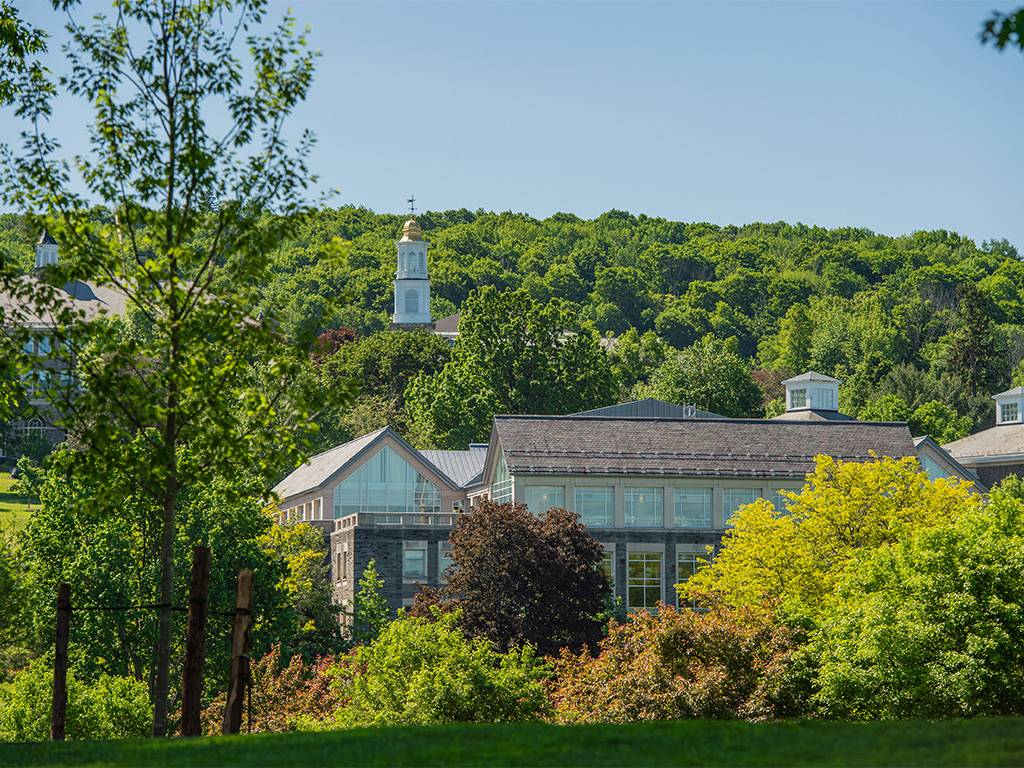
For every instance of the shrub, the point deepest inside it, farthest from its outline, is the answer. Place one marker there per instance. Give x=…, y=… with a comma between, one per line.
x=285, y=698
x=107, y=708
x=682, y=664
x=420, y=671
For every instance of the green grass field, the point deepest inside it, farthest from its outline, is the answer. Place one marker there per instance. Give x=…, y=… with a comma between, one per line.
x=14, y=509
x=713, y=743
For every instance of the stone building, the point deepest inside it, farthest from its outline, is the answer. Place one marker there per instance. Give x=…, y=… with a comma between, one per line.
x=655, y=482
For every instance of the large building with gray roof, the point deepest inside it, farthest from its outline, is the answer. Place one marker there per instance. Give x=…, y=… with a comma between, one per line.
x=655, y=483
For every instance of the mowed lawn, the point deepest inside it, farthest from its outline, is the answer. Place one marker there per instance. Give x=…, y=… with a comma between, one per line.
x=14, y=509
x=913, y=743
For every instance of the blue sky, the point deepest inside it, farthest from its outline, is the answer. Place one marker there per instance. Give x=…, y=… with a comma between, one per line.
x=884, y=115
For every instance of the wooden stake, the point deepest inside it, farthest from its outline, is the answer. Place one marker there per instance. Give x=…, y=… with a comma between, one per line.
x=195, y=643
x=239, y=653
x=59, y=708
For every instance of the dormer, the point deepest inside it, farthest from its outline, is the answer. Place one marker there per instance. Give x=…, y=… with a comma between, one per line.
x=1010, y=406
x=812, y=392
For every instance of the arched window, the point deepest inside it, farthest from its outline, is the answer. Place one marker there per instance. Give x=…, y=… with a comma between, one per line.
x=412, y=302
x=423, y=262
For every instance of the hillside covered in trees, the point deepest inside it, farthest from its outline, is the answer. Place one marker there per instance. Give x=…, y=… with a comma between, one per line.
x=923, y=327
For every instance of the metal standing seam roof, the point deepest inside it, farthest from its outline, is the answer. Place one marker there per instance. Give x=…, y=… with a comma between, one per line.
x=650, y=408
x=689, y=447
x=464, y=467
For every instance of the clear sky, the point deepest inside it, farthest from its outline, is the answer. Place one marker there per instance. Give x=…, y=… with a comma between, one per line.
x=890, y=116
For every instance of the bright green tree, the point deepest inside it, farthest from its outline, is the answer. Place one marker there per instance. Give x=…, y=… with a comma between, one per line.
x=513, y=355
x=931, y=626
x=370, y=611
x=940, y=422
x=188, y=151
x=791, y=559
x=711, y=375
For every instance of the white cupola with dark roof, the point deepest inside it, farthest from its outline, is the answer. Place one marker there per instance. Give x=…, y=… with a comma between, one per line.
x=812, y=396
x=412, y=284
x=46, y=250
x=1010, y=406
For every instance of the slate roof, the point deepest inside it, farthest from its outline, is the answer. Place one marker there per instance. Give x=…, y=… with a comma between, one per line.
x=319, y=468
x=750, y=448
x=45, y=238
x=91, y=299
x=811, y=376
x=651, y=408
x=1000, y=440
x=464, y=467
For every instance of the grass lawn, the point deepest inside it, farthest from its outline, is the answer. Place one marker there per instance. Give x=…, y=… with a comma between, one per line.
x=14, y=509
x=957, y=742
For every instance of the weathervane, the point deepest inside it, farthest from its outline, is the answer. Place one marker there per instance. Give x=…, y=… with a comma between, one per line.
x=412, y=204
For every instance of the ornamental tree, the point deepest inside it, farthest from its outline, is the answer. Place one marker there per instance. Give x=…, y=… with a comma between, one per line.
x=790, y=559
x=521, y=578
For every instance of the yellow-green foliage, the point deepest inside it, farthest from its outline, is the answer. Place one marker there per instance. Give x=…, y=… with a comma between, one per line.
x=790, y=559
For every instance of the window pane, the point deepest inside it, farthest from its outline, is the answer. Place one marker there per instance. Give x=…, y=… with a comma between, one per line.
x=686, y=565
x=693, y=507
x=644, y=507
x=596, y=506
x=798, y=398
x=643, y=587
x=541, y=498
x=501, y=488
x=414, y=563
x=734, y=498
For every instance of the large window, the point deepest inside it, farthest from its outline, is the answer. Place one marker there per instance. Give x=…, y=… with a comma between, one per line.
x=643, y=586
x=734, y=498
x=596, y=506
x=645, y=507
x=414, y=561
x=541, y=498
x=778, y=498
x=608, y=563
x=388, y=485
x=412, y=302
x=501, y=488
x=686, y=565
x=693, y=507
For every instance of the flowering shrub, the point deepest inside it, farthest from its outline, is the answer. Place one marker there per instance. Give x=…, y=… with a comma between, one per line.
x=682, y=664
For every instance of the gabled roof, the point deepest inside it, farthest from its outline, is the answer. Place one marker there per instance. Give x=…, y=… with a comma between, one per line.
x=811, y=376
x=448, y=324
x=321, y=467
x=926, y=442
x=1015, y=392
x=650, y=408
x=464, y=467
x=1001, y=440
x=89, y=299
x=751, y=448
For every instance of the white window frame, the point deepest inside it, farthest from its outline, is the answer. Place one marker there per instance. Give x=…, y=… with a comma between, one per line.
x=645, y=583
x=707, y=514
x=639, y=490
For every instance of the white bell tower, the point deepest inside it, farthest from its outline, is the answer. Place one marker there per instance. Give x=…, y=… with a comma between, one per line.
x=412, y=285
x=46, y=250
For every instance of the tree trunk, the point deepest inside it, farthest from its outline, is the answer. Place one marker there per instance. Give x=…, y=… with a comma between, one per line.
x=163, y=643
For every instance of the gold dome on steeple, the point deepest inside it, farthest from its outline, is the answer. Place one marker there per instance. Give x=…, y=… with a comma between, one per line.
x=411, y=230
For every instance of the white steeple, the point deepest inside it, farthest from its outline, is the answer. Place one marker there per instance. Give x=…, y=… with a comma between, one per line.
x=46, y=250
x=412, y=285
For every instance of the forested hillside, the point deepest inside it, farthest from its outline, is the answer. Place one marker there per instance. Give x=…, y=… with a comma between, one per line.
x=928, y=319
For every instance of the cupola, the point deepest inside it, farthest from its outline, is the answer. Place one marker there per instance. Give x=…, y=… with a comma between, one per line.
x=812, y=391
x=46, y=250
x=1009, y=406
